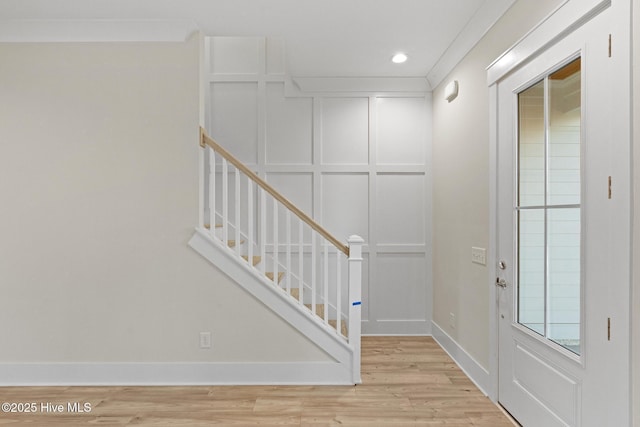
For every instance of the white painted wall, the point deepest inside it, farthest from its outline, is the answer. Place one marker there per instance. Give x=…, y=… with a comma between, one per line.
x=461, y=185
x=99, y=184
x=357, y=161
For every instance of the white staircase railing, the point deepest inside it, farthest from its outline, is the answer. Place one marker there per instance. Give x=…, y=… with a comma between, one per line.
x=292, y=252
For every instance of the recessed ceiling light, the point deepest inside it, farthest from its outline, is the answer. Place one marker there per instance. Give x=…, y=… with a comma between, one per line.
x=399, y=58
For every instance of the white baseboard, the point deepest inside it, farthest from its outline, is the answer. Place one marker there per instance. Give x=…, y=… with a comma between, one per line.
x=157, y=374
x=479, y=375
x=389, y=327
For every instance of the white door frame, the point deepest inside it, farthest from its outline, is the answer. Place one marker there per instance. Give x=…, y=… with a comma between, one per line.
x=569, y=16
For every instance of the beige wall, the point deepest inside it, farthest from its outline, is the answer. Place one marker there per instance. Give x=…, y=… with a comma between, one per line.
x=99, y=185
x=461, y=184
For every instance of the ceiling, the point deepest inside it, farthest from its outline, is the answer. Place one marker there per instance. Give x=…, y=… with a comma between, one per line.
x=323, y=38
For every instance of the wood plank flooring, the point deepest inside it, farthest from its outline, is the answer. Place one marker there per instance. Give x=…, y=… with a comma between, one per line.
x=407, y=381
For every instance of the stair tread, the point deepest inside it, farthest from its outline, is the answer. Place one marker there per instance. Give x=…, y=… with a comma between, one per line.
x=208, y=226
x=332, y=322
x=319, y=309
x=269, y=274
x=343, y=327
x=232, y=243
x=256, y=259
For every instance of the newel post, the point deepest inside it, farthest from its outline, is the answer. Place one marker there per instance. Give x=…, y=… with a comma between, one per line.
x=355, y=301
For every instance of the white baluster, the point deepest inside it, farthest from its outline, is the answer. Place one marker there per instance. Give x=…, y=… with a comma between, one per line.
x=263, y=229
x=300, y=260
x=287, y=268
x=355, y=302
x=326, y=282
x=212, y=191
x=225, y=202
x=201, y=182
x=237, y=207
x=250, y=214
x=313, y=271
x=339, y=292
x=275, y=242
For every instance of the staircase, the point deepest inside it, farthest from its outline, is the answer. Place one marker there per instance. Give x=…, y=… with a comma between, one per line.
x=280, y=255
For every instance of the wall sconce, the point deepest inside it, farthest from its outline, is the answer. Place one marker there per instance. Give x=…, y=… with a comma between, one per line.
x=451, y=91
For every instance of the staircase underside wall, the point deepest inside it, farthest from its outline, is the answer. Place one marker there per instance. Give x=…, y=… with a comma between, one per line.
x=323, y=336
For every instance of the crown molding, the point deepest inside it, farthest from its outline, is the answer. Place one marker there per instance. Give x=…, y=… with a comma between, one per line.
x=100, y=30
x=475, y=29
x=568, y=17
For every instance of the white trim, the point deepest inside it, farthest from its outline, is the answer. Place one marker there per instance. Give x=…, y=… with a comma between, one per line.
x=571, y=15
x=147, y=374
x=411, y=327
x=475, y=29
x=293, y=90
x=96, y=30
x=362, y=84
x=492, y=255
x=476, y=373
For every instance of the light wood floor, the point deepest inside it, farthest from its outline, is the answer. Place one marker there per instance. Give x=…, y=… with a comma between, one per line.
x=406, y=381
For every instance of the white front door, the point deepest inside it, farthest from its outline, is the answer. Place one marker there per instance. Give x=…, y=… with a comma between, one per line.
x=561, y=246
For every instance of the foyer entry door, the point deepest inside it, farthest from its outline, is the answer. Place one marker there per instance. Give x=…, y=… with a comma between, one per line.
x=560, y=258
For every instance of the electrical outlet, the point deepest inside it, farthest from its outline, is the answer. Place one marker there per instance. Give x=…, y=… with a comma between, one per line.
x=452, y=320
x=479, y=256
x=205, y=340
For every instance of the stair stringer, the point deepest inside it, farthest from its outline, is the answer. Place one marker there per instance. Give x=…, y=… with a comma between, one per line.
x=282, y=304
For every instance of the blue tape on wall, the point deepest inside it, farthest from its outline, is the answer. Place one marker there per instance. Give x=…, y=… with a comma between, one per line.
x=357, y=303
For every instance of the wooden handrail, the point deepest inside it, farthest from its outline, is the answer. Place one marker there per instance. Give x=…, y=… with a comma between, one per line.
x=207, y=140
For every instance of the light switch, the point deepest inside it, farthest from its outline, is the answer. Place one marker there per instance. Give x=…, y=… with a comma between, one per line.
x=479, y=256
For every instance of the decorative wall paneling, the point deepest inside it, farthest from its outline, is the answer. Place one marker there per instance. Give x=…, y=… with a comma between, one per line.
x=358, y=162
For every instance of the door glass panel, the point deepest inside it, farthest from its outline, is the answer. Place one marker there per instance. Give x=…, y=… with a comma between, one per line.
x=563, y=240
x=532, y=147
x=548, y=207
x=564, y=135
x=531, y=269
